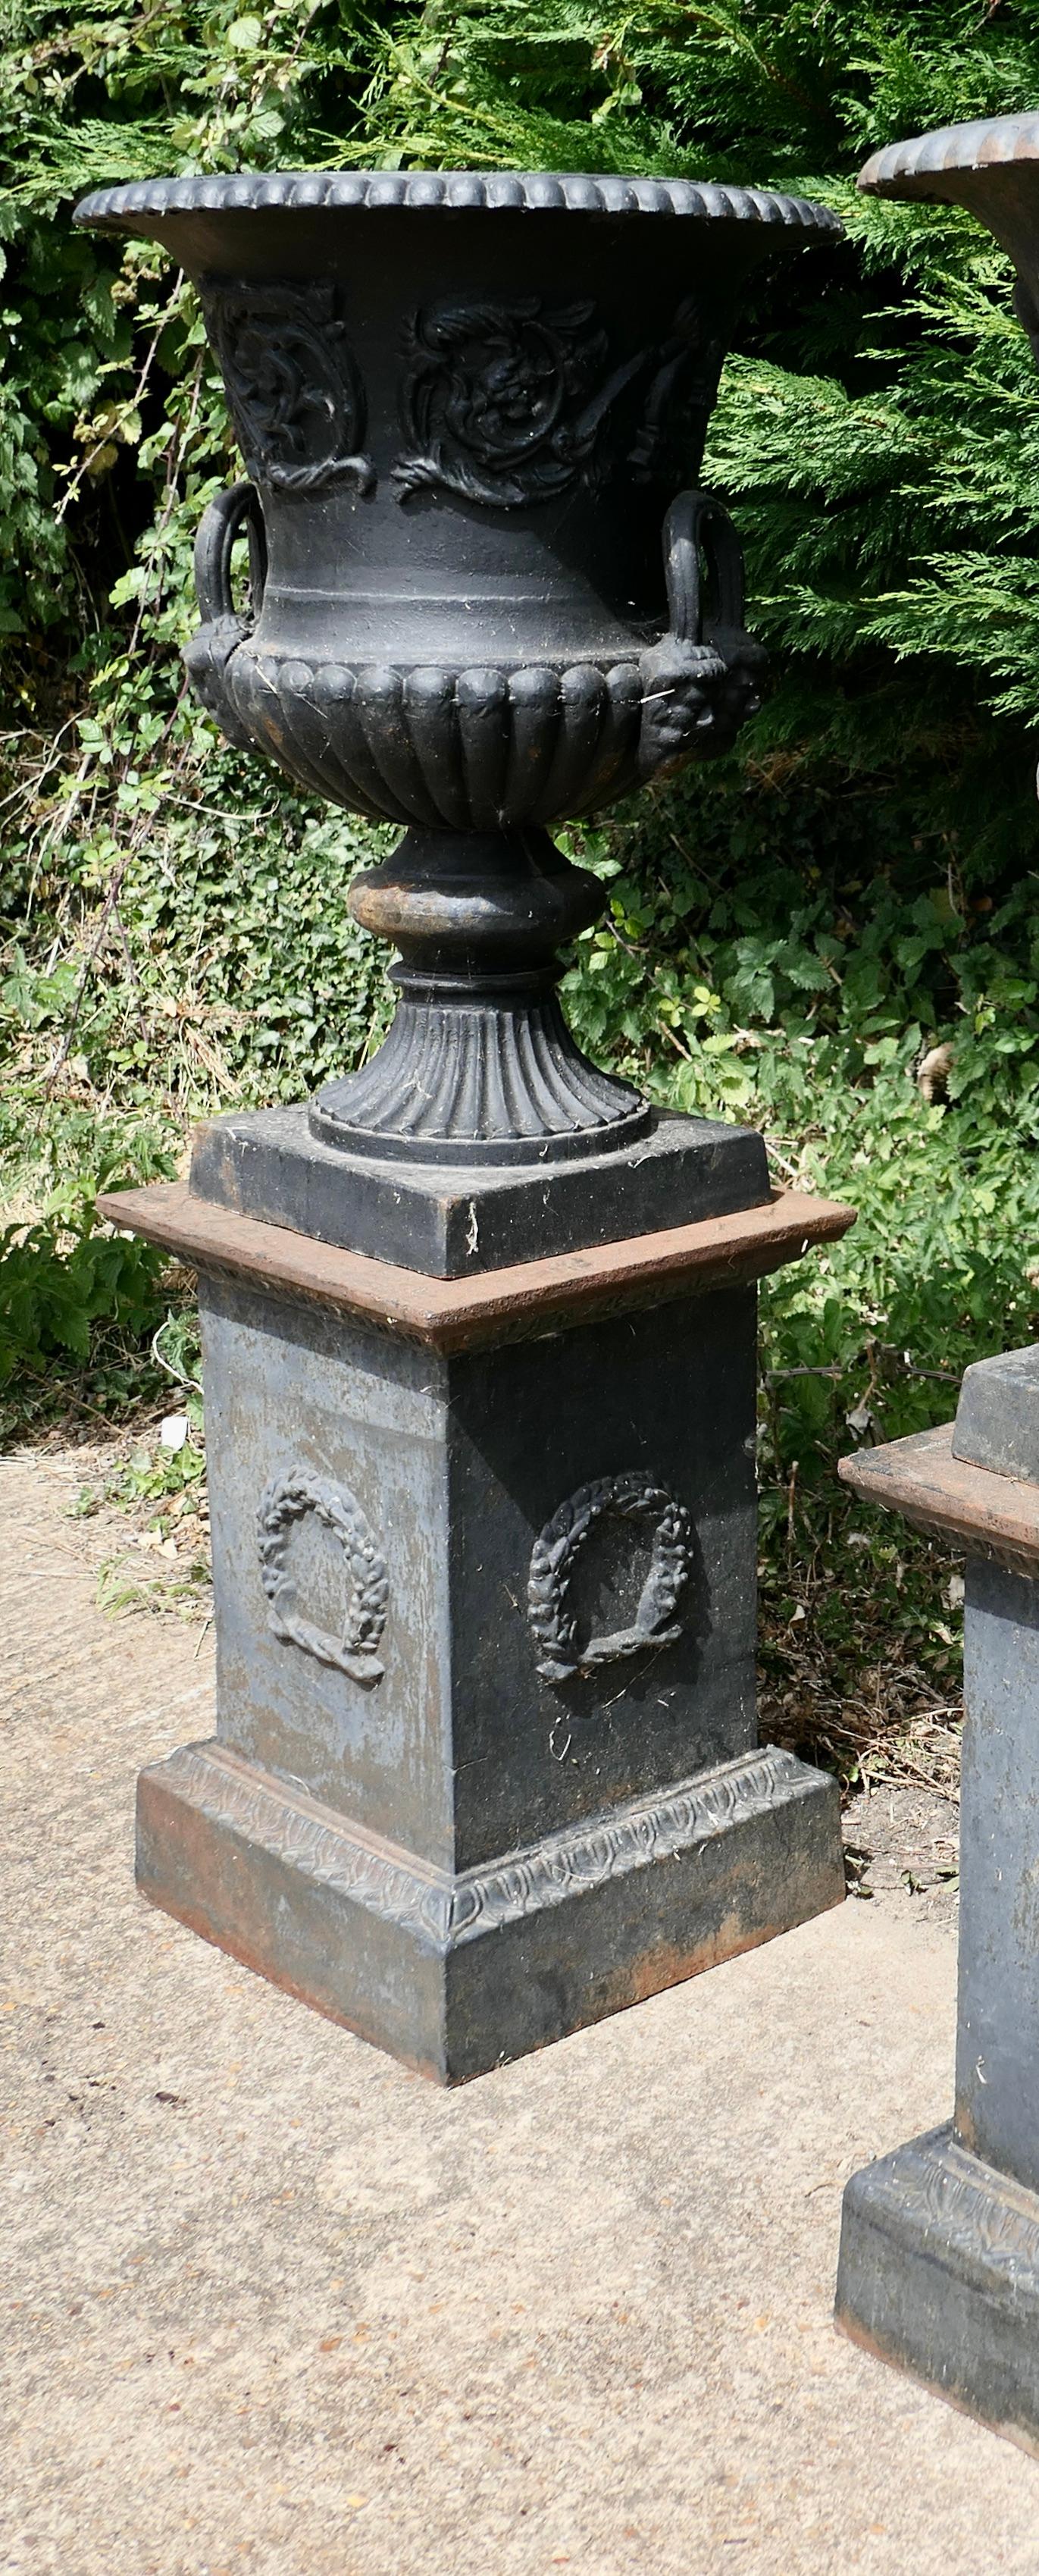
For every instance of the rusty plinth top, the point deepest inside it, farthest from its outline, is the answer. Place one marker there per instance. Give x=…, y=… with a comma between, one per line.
x=501, y=1305
x=984, y=1513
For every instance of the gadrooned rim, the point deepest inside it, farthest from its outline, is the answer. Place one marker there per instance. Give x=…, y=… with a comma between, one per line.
x=904, y=169
x=129, y=209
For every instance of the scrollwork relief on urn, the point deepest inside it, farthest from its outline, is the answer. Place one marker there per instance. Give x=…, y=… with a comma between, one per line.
x=678, y=399
x=293, y=388
x=487, y=591
x=506, y=403
x=510, y=404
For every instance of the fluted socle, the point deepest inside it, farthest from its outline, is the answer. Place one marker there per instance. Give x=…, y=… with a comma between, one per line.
x=491, y=1083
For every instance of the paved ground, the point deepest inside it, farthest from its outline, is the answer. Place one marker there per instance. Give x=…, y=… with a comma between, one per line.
x=279, y=2307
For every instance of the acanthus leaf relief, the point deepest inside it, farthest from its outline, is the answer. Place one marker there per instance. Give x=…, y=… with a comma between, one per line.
x=293, y=385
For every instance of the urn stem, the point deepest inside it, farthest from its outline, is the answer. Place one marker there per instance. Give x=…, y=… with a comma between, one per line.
x=479, y=1065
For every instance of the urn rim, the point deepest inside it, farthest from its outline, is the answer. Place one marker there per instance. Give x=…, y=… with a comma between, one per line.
x=141, y=203
x=916, y=166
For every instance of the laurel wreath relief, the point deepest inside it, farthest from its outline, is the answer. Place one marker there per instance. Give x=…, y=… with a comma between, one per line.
x=628, y=1497
x=287, y=1500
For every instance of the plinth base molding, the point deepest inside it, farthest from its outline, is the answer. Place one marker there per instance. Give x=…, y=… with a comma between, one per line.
x=456, y=1974
x=939, y=2275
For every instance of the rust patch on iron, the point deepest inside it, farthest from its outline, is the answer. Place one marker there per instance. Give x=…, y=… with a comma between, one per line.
x=220, y=1938
x=187, y=1843
x=457, y=1314
x=252, y=1956
x=988, y=1513
x=666, y=1965
x=965, y=2130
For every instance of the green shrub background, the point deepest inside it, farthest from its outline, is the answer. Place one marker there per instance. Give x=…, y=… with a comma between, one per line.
x=788, y=932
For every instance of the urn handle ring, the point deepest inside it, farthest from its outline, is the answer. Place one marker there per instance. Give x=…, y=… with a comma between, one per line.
x=698, y=529
x=210, y=652
x=698, y=686
x=232, y=512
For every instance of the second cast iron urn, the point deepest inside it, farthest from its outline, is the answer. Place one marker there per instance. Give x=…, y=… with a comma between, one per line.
x=472, y=411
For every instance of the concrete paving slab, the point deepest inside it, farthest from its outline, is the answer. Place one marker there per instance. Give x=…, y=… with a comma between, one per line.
x=276, y=2305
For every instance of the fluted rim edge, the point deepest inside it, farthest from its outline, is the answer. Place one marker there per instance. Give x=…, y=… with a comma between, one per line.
x=905, y=169
x=126, y=208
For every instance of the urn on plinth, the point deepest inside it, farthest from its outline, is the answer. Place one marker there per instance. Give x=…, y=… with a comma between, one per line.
x=939, y=2259
x=479, y=1322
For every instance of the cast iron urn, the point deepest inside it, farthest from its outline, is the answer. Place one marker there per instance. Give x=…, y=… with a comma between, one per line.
x=486, y=594
x=478, y=1324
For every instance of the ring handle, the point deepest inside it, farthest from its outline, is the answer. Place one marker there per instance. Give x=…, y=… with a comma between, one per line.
x=211, y=651
x=703, y=677
x=226, y=516
x=697, y=526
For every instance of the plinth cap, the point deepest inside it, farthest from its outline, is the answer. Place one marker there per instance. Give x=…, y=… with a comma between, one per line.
x=997, y=1418
x=973, y=1482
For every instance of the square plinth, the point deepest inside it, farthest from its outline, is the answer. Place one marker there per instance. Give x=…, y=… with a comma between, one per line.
x=471, y=1599
x=939, y=2274
x=486, y=1762
x=484, y=1559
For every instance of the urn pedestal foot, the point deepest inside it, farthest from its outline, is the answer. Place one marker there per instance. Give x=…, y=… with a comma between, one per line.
x=452, y=1224
x=457, y=1973
x=939, y=2274
x=484, y=1558
x=478, y=1135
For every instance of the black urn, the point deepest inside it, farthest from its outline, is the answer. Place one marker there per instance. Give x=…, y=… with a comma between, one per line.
x=487, y=594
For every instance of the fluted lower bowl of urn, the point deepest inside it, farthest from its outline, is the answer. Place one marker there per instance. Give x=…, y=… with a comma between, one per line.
x=487, y=592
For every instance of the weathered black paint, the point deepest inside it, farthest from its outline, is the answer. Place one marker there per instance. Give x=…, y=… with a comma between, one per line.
x=485, y=1764
x=458, y=1973
x=482, y=600
x=939, y=2264
x=997, y=1418
x=457, y=1465
x=615, y=1830
x=939, y=2274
